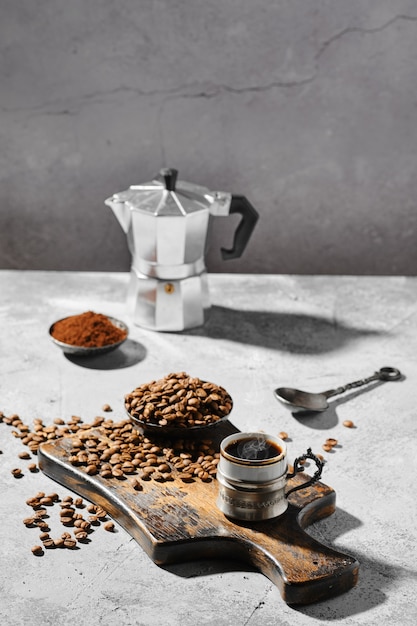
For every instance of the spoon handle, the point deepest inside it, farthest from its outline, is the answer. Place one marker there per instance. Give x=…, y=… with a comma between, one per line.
x=385, y=373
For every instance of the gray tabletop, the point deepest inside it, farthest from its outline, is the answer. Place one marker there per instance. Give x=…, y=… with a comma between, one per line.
x=310, y=332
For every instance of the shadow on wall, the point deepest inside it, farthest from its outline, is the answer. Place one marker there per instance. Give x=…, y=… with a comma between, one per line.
x=296, y=333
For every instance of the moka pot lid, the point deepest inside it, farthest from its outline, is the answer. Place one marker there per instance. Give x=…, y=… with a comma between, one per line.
x=165, y=195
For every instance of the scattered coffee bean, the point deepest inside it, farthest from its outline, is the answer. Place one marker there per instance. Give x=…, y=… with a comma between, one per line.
x=136, y=484
x=59, y=542
x=331, y=442
x=81, y=536
x=46, y=501
x=29, y=521
x=186, y=478
x=37, y=550
x=348, y=424
x=100, y=512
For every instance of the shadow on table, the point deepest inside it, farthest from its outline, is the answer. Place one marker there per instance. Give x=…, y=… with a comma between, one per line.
x=128, y=354
x=375, y=577
x=291, y=332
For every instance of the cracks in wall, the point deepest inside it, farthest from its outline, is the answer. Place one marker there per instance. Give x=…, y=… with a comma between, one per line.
x=197, y=90
x=363, y=31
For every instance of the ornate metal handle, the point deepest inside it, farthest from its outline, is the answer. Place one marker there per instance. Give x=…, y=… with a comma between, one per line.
x=299, y=468
x=385, y=373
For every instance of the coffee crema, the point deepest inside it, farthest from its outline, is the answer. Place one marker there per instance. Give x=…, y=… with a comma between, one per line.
x=253, y=449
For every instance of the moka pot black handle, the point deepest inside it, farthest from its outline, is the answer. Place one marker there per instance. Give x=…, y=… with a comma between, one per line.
x=244, y=230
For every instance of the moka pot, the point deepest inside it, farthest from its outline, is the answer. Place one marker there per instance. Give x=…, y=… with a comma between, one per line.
x=166, y=223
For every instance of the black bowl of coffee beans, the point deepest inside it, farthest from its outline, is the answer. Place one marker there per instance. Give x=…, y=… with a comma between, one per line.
x=177, y=404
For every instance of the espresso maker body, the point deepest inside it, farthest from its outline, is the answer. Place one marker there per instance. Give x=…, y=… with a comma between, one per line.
x=166, y=223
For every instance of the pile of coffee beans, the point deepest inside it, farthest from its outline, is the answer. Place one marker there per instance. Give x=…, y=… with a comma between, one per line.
x=71, y=518
x=113, y=449
x=116, y=450
x=178, y=400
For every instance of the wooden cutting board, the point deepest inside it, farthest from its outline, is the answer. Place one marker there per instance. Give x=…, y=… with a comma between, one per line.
x=176, y=521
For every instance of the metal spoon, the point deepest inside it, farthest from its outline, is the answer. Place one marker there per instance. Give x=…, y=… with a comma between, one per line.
x=297, y=400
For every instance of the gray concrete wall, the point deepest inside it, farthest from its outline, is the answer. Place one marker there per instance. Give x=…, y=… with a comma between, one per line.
x=307, y=107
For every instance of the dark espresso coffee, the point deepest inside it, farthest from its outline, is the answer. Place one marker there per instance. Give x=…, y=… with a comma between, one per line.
x=253, y=449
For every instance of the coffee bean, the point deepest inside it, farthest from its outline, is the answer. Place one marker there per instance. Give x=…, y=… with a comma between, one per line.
x=331, y=442
x=67, y=512
x=81, y=536
x=46, y=501
x=136, y=484
x=59, y=542
x=186, y=478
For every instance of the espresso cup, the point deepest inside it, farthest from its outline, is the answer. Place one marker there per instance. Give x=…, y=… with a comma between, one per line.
x=253, y=473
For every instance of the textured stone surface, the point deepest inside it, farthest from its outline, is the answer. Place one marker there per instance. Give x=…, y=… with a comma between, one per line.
x=265, y=331
x=306, y=107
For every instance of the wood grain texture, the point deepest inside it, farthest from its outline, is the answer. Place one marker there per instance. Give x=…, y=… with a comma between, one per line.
x=176, y=521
